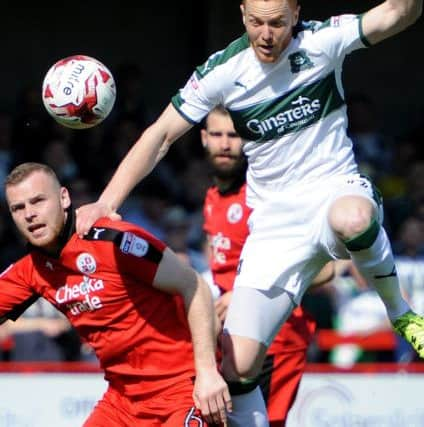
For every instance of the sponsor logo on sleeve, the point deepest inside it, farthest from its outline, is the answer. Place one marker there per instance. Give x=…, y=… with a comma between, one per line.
x=193, y=82
x=134, y=245
x=97, y=232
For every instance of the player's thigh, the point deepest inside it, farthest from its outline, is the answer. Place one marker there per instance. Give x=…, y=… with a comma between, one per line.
x=108, y=414
x=254, y=318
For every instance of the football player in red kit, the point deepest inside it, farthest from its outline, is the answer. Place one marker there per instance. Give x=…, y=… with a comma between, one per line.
x=225, y=223
x=148, y=317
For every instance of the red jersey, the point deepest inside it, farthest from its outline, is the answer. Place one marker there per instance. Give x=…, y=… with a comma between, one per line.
x=103, y=284
x=225, y=223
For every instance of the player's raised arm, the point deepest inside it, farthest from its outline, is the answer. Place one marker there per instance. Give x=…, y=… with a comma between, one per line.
x=152, y=145
x=390, y=18
x=211, y=394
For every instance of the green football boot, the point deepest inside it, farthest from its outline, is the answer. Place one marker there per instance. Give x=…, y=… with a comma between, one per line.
x=411, y=327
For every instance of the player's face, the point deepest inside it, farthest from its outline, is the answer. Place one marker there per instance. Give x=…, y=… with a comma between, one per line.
x=269, y=25
x=222, y=143
x=37, y=205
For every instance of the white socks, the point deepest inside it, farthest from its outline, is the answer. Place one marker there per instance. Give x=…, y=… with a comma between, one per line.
x=377, y=265
x=249, y=410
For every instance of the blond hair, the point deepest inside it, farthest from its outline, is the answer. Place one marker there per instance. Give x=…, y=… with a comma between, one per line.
x=24, y=170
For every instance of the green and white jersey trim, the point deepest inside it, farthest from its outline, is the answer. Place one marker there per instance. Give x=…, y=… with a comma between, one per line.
x=291, y=114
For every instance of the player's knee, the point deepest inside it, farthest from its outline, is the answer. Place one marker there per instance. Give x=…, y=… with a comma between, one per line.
x=240, y=362
x=238, y=370
x=365, y=238
x=350, y=218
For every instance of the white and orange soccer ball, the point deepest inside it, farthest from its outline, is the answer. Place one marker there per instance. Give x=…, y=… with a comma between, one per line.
x=79, y=92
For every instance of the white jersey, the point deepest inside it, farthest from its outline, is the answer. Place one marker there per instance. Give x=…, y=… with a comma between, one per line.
x=291, y=114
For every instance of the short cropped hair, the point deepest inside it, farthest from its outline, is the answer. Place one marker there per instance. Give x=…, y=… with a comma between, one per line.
x=24, y=170
x=218, y=109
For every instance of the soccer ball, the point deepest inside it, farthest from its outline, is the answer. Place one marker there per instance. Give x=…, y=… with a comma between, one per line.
x=79, y=92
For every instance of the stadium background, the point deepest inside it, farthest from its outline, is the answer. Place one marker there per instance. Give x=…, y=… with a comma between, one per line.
x=168, y=38
x=159, y=43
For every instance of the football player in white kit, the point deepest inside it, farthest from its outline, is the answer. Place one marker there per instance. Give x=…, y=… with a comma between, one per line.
x=281, y=83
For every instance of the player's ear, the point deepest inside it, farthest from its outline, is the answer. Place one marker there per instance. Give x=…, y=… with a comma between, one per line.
x=243, y=17
x=65, y=198
x=204, y=137
x=296, y=15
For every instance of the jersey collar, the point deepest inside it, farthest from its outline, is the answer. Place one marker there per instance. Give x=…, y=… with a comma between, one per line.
x=67, y=231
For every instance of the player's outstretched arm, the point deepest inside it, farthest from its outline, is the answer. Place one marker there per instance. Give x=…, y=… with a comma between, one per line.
x=211, y=394
x=152, y=145
x=390, y=18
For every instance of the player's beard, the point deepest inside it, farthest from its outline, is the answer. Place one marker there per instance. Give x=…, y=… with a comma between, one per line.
x=229, y=173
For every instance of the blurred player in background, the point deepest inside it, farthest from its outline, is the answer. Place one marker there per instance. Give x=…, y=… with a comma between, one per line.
x=226, y=216
x=148, y=316
x=282, y=84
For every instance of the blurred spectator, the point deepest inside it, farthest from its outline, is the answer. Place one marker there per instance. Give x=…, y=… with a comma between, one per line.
x=398, y=186
x=177, y=226
x=32, y=125
x=80, y=191
x=359, y=310
x=58, y=156
x=6, y=148
x=126, y=129
x=409, y=259
x=373, y=149
x=130, y=94
x=147, y=206
x=409, y=241
x=41, y=334
x=196, y=179
x=11, y=243
x=92, y=155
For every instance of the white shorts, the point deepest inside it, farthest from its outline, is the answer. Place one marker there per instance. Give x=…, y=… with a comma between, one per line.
x=290, y=238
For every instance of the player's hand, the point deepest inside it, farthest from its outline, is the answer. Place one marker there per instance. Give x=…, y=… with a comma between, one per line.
x=87, y=215
x=221, y=305
x=212, y=397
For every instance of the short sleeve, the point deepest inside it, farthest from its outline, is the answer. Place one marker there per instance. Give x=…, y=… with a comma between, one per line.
x=202, y=92
x=14, y=290
x=340, y=35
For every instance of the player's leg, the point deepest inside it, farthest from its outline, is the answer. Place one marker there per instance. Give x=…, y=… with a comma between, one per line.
x=354, y=218
x=253, y=319
x=110, y=411
x=175, y=407
x=279, y=381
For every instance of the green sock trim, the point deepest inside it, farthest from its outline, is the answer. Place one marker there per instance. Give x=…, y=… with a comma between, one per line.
x=365, y=239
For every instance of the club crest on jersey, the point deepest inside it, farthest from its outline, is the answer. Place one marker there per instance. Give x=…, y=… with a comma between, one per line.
x=86, y=263
x=134, y=245
x=300, y=61
x=235, y=213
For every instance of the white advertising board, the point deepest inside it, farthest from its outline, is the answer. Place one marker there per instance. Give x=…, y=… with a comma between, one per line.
x=359, y=400
x=48, y=400
x=324, y=400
